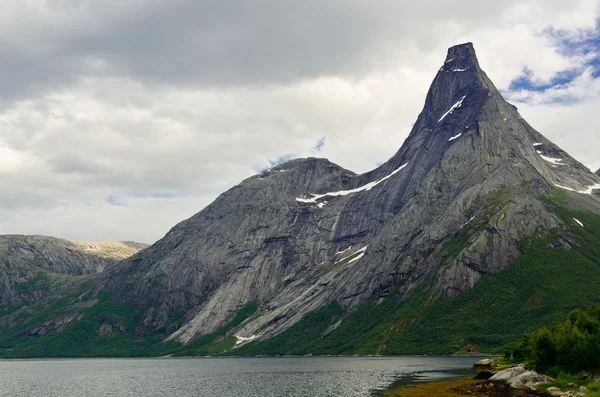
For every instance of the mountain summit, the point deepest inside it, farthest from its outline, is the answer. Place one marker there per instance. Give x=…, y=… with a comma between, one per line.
x=454, y=204
x=308, y=232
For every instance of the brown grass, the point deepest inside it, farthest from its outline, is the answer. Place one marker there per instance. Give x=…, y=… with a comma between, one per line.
x=447, y=388
x=108, y=249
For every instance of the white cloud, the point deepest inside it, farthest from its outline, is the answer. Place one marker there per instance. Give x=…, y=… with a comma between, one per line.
x=108, y=103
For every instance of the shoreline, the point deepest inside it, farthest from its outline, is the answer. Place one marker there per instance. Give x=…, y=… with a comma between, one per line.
x=456, y=387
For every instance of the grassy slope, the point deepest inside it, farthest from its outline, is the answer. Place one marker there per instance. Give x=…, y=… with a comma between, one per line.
x=83, y=337
x=538, y=290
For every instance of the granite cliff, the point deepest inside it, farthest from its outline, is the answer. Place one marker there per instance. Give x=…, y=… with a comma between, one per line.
x=454, y=204
x=308, y=232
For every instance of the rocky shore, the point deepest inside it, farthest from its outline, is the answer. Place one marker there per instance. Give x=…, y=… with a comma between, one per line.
x=491, y=381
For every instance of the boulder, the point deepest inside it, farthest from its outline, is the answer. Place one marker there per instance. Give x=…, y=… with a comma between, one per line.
x=505, y=375
x=554, y=392
x=485, y=363
x=528, y=380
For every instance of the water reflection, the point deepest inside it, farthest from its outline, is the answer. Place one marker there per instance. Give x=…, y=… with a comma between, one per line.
x=226, y=377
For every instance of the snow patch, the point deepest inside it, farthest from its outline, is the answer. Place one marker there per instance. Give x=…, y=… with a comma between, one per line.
x=321, y=205
x=455, y=106
x=341, y=252
x=241, y=339
x=454, y=137
x=538, y=144
x=588, y=190
x=363, y=188
x=450, y=60
x=467, y=222
x=357, y=257
x=551, y=160
x=459, y=70
x=578, y=222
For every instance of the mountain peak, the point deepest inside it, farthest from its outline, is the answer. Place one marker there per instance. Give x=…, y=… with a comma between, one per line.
x=461, y=57
x=598, y=172
x=449, y=207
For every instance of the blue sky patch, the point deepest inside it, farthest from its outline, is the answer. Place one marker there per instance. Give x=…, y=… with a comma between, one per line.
x=586, y=46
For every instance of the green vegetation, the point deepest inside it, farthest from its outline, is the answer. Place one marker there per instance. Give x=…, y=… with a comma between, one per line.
x=570, y=382
x=569, y=347
x=104, y=329
x=452, y=247
x=81, y=336
x=35, y=284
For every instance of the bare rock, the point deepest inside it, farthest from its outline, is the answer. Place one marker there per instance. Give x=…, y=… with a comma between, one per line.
x=507, y=374
x=485, y=363
x=528, y=380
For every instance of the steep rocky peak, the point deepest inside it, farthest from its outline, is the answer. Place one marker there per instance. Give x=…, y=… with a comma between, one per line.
x=459, y=77
x=462, y=56
x=598, y=172
x=307, y=232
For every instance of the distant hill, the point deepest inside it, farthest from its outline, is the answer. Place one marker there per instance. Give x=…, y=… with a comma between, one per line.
x=28, y=264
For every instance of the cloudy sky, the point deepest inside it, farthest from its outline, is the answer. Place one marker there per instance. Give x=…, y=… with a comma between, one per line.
x=119, y=119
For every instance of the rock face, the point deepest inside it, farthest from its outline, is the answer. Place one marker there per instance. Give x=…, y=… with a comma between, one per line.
x=484, y=364
x=449, y=207
x=598, y=172
x=24, y=259
x=520, y=378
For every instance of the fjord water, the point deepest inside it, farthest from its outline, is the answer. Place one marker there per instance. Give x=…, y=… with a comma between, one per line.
x=249, y=377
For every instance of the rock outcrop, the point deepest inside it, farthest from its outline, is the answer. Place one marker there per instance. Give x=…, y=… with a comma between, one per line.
x=486, y=363
x=449, y=207
x=27, y=261
x=520, y=378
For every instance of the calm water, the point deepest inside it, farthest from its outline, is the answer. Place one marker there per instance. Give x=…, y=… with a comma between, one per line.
x=239, y=377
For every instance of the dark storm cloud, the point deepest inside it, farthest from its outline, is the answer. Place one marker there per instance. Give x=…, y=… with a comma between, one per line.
x=232, y=42
x=226, y=43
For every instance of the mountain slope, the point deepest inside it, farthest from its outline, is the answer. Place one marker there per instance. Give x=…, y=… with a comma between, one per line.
x=558, y=271
x=469, y=185
x=26, y=261
x=287, y=237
